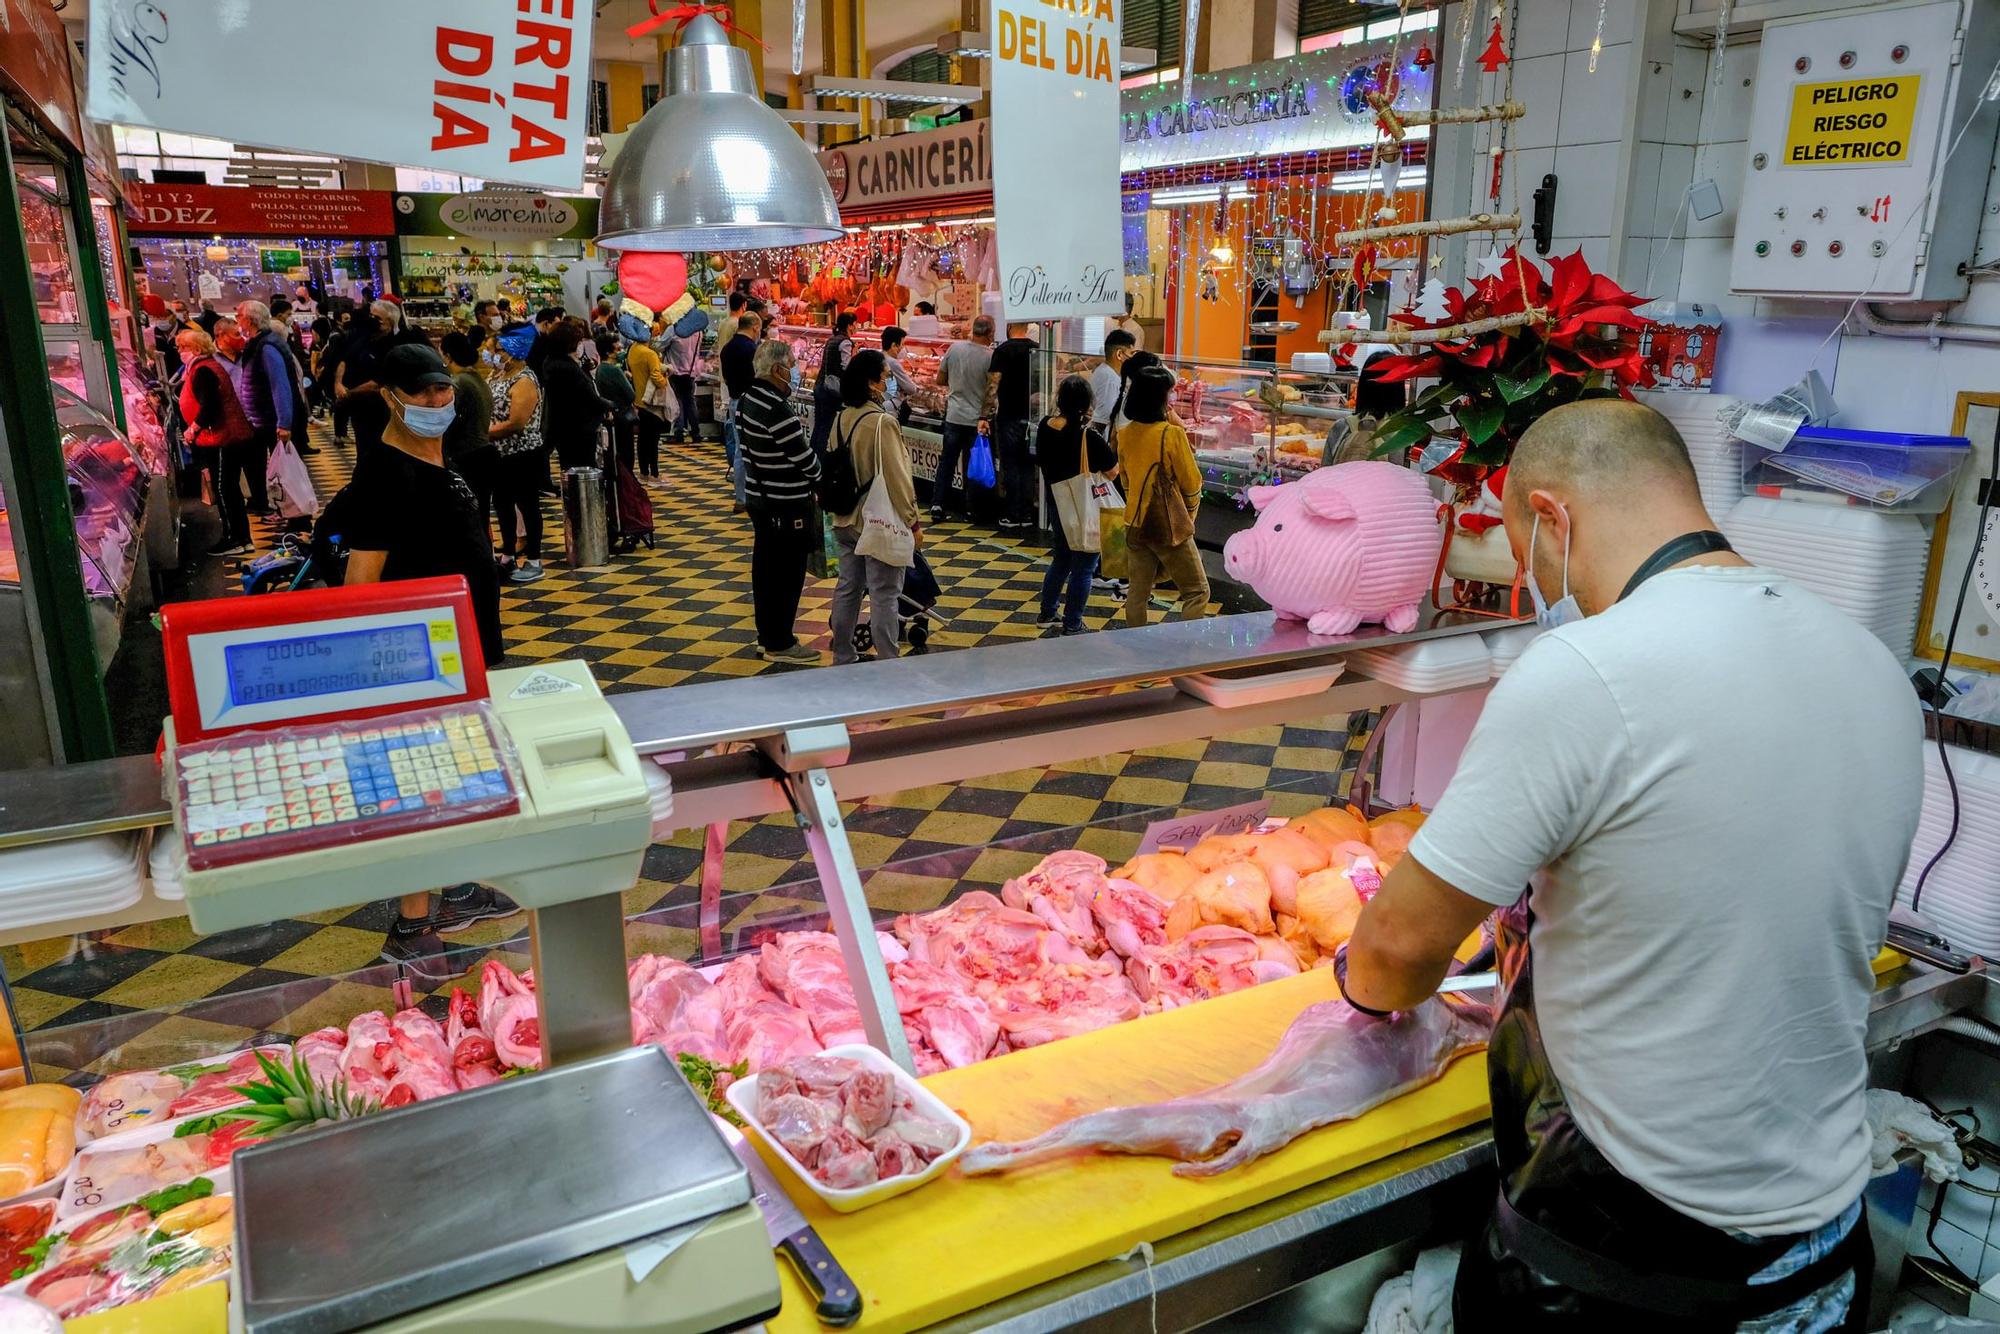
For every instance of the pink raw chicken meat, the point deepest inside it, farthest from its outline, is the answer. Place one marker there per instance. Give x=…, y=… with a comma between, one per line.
x=805, y=968
x=985, y=942
x=368, y=1036
x=473, y=1060
x=321, y=1050
x=676, y=1007
x=508, y=1014
x=947, y=1025
x=1062, y=1002
x=1131, y=917
x=1208, y=961
x=761, y=1028
x=417, y=1060
x=847, y=1124
x=1058, y=891
x=1331, y=1065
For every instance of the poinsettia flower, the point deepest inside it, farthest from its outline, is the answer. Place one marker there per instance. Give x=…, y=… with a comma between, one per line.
x=1406, y=366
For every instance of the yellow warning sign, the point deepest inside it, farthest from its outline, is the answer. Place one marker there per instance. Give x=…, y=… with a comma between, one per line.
x=1852, y=123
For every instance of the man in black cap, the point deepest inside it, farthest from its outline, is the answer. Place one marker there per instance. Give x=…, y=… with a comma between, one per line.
x=408, y=516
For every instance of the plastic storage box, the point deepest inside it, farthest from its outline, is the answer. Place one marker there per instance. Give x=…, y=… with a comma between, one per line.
x=1886, y=470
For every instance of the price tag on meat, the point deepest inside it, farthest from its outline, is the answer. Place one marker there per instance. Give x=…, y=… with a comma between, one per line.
x=1191, y=829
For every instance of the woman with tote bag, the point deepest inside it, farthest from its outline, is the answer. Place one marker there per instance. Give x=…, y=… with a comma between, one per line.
x=878, y=540
x=1077, y=463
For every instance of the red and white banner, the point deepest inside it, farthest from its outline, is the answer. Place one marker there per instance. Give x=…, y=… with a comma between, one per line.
x=495, y=89
x=235, y=210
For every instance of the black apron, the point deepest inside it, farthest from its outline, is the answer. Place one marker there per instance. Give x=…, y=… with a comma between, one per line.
x=1573, y=1246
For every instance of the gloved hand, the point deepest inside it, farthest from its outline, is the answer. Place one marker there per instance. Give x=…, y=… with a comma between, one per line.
x=1340, y=976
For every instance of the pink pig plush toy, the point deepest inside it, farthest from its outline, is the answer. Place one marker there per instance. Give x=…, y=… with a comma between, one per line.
x=1349, y=543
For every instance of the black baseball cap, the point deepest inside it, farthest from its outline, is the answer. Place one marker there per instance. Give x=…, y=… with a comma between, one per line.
x=408, y=367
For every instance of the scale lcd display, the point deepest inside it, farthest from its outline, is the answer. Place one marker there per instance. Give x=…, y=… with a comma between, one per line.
x=307, y=666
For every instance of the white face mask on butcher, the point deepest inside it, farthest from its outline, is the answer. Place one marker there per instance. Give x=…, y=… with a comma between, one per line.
x=1564, y=611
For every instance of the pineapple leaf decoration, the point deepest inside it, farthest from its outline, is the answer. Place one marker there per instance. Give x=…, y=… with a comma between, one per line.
x=288, y=1100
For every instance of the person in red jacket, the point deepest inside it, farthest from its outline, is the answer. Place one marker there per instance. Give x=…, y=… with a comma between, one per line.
x=220, y=432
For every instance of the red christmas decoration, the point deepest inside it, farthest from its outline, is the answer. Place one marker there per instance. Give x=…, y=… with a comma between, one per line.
x=1495, y=54
x=1423, y=59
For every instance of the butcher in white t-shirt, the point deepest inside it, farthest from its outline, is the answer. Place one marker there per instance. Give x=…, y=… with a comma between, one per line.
x=1708, y=778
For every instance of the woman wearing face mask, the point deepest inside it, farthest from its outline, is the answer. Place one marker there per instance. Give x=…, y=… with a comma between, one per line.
x=524, y=457
x=879, y=450
x=409, y=516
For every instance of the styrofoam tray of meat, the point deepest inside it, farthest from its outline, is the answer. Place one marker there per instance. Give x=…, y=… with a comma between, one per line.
x=110, y=1173
x=742, y=1096
x=143, y=1100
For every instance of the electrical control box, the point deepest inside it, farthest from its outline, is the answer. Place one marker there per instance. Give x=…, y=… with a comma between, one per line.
x=1845, y=191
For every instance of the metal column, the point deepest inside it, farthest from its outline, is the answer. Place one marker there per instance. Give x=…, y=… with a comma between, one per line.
x=805, y=755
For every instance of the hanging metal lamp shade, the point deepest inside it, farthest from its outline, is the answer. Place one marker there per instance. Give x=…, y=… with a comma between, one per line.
x=711, y=167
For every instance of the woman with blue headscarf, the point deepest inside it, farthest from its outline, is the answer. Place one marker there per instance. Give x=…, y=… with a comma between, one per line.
x=524, y=456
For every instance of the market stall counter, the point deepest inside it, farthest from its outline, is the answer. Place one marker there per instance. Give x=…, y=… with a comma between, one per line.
x=741, y=750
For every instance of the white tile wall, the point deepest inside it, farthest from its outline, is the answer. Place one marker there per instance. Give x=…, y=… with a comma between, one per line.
x=1676, y=169
x=1651, y=267
x=1620, y=20
x=1593, y=105
x=1684, y=102
x=1588, y=185
x=1538, y=83
x=1640, y=212
x=1542, y=28
x=1722, y=163
x=1656, y=88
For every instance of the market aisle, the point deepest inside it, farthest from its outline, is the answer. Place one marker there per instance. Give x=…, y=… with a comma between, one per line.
x=678, y=612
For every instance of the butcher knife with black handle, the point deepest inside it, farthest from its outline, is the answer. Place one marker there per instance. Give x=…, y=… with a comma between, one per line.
x=839, y=1302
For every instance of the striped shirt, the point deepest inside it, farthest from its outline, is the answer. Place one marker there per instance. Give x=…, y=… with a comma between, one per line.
x=779, y=466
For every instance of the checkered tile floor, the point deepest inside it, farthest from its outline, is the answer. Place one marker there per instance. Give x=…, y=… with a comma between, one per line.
x=157, y=993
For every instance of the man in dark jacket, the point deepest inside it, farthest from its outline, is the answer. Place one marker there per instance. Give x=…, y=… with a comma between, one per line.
x=779, y=473
x=268, y=397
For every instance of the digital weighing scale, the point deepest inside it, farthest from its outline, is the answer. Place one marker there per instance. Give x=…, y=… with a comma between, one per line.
x=340, y=746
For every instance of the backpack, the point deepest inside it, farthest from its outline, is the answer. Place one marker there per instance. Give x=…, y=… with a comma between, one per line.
x=839, y=487
x=1165, y=521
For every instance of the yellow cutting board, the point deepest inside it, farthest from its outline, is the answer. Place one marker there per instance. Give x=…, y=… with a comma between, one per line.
x=961, y=1242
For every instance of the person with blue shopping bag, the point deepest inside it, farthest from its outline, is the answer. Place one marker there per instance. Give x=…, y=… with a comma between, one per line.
x=964, y=374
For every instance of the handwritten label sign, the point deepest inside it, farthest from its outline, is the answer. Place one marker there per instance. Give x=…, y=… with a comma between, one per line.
x=1055, y=99
x=493, y=90
x=1190, y=829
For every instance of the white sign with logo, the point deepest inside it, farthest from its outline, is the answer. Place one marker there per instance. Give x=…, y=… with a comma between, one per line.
x=1055, y=157
x=948, y=161
x=1306, y=103
x=507, y=215
x=491, y=90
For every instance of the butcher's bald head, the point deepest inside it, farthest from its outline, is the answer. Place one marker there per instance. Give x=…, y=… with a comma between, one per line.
x=1602, y=451
x=1606, y=480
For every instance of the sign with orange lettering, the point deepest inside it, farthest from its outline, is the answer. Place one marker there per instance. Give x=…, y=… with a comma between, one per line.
x=496, y=89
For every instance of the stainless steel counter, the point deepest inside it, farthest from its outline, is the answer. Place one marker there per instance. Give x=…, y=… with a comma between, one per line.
x=48, y=805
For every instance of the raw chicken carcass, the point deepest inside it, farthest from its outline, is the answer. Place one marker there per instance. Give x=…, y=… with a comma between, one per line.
x=1331, y=825
x=418, y=1060
x=1237, y=894
x=769, y=1032
x=1332, y=1064
x=320, y=1050
x=473, y=1060
x=947, y=1025
x=1329, y=907
x=515, y=1025
x=1130, y=916
x=985, y=942
x=1209, y=961
x=739, y=985
x=805, y=968
x=1167, y=874
x=1059, y=890
x=676, y=1007
x=1062, y=1002
x=368, y=1037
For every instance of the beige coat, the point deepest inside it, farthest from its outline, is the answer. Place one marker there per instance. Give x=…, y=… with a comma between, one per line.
x=878, y=445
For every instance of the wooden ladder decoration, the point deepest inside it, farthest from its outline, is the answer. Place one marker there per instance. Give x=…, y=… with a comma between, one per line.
x=1392, y=125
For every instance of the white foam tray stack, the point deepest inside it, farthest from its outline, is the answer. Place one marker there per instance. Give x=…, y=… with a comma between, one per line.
x=1717, y=455
x=1867, y=563
x=53, y=882
x=1962, y=896
x=1429, y=666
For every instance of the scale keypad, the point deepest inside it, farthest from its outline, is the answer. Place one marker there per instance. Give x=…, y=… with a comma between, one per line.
x=242, y=796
